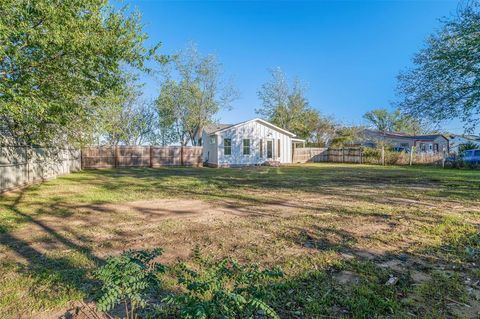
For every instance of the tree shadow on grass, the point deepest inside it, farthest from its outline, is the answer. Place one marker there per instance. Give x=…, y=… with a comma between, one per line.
x=53, y=278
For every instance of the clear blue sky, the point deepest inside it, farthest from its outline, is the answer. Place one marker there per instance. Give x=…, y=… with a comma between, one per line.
x=348, y=53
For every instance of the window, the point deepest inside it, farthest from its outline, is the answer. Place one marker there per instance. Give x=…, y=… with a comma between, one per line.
x=246, y=147
x=476, y=153
x=227, y=146
x=435, y=148
x=278, y=148
x=261, y=148
x=200, y=141
x=423, y=147
x=269, y=149
x=212, y=139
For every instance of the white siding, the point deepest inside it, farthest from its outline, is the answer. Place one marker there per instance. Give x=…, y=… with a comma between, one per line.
x=255, y=131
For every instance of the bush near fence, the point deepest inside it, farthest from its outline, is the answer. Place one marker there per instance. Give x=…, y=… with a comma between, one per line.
x=140, y=156
x=24, y=165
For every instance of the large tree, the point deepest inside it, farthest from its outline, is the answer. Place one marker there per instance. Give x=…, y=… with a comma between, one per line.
x=128, y=119
x=380, y=119
x=58, y=60
x=286, y=106
x=192, y=93
x=444, y=82
x=326, y=129
x=395, y=121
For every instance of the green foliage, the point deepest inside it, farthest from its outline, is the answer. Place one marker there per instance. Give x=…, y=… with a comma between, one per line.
x=225, y=289
x=128, y=119
x=127, y=279
x=439, y=291
x=59, y=60
x=467, y=146
x=385, y=121
x=346, y=136
x=381, y=119
x=287, y=107
x=371, y=153
x=374, y=155
x=444, y=82
x=192, y=94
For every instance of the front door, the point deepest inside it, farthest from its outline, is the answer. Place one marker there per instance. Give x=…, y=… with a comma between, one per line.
x=269, y=149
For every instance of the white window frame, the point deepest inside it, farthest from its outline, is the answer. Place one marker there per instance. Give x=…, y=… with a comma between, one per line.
x=245, y=147
x=229, y=146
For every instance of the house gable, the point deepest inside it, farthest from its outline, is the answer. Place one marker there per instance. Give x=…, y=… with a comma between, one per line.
x=266, y=123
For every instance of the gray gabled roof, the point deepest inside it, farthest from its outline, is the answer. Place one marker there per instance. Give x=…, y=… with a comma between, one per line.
x=212, y=128
x=426, y=137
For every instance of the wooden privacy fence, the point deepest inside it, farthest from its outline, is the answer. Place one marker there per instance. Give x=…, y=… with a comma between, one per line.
x=356, y=155
x=140, y=156
x=334, y=155
x=24, y=165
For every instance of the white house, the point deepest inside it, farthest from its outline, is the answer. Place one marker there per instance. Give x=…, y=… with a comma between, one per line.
x=456, y=141
x=251, y=142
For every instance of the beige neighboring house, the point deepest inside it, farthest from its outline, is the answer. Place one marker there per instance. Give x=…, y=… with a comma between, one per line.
x=431, y=143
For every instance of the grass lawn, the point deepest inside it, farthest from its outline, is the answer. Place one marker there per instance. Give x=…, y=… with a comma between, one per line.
x=339, y=232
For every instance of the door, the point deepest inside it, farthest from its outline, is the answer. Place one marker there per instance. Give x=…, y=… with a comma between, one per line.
x=269, y=149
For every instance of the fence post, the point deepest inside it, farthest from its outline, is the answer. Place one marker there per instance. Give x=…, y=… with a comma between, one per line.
x=383, y=155
x=150, y=151
x=412, y=149
x=115, y=157
x=361, y=155
x=343, y=154
x=28, y=164
x=181, y=156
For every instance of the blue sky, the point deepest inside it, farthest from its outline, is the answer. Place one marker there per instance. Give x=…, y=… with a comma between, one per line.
x=347, y=52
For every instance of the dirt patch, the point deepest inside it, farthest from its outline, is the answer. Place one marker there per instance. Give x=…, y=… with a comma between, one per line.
x=346, y=277
x=172, y=208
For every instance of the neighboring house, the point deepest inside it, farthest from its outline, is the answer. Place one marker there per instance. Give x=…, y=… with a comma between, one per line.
x=432, y=143
x=251, y=142
x=455, y=141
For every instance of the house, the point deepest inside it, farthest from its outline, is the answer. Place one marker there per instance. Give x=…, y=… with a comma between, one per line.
x=456, y=141
x=251, y=142
x=431, y=143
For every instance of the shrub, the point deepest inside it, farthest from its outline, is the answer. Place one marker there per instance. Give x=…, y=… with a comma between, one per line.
x=370, y=153
x=374, y=155
x=127, y=279
x=224, y=289
x=467, y=146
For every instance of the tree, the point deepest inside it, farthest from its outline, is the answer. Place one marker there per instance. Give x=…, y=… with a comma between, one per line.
x=467, y=146
x=396, y=121
x=192, y=94
x=287, y=107
x=325, y=131
x=380, y=119
x=126, y=118
x=58, y=60
x=408, y=124
x=444, y=82
x=347, y=136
